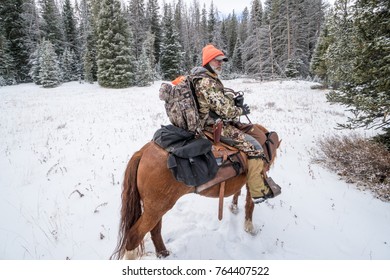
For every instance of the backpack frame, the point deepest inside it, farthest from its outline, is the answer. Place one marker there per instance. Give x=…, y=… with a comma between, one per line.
x=181, y=104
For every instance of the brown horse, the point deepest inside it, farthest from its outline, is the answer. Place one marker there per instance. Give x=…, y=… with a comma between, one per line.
x=150, y=190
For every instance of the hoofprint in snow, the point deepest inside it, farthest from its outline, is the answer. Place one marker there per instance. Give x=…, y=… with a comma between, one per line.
x=64, y=151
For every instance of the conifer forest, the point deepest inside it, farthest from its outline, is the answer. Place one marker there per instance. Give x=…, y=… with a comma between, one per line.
x=124, y=43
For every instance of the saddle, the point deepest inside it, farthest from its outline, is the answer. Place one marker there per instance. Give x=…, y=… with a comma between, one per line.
x=230, y=160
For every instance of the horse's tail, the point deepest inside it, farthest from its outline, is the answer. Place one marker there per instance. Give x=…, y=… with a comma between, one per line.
x=131, y=206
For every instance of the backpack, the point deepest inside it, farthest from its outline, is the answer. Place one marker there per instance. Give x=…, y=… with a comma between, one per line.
x=181, y=103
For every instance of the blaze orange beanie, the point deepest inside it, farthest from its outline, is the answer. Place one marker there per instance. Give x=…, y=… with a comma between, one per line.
x=209, y=53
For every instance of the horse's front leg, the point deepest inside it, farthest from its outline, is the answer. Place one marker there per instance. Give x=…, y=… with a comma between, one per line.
x=249, y=207
x=158, y=241
x=234, y=205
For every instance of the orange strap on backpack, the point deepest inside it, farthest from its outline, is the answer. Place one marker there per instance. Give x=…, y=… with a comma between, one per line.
x=178, y=80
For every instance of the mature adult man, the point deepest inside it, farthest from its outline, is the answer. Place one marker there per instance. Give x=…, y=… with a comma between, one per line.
x=216, y=103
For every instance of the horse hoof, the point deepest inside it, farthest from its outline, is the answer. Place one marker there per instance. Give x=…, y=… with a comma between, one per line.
x=249, y=228
x=163, y=254
x=233, y=208
x=130, y=255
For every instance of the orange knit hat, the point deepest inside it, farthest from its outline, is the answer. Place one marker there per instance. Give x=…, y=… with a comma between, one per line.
x=210, y=52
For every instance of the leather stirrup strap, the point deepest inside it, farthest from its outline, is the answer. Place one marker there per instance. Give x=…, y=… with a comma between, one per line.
x=221, y=194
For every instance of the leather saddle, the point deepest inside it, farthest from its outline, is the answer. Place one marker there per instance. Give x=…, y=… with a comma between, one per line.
x=231, y=163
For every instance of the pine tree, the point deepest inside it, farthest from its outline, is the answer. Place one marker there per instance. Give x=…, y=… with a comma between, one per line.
x=171, y=56
x=89, y=65
x=69, y=21
x=367, y=90
x=340, y=54
x=244, y=25
x=148, y=46
x=144, y=70
x=138, y=24
x=6, y=74
x=232, y=34
x=69, y=66
x=50, y=72
x=211, y=24
x=237, y=62
x=87, y=40
x=71, y=43
x=34, y=64
x=114, y=57
x=14, y=31
x=153, y=24
x=203, y=27
x=293, y=68
x=319, y=64
x=51, y=27
x=32, y=25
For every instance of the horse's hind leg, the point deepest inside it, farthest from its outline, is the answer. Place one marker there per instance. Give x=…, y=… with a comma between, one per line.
x=146, y=223
x=158, y=242
x=234, y=205
x=249, y=207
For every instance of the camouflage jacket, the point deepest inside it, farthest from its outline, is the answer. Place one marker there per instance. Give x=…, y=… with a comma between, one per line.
x=212, y=98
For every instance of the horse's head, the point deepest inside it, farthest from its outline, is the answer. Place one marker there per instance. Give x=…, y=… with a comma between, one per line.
x=271, y=145
x=270, y=142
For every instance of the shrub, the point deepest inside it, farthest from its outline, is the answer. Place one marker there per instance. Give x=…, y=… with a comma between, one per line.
x=357, y=160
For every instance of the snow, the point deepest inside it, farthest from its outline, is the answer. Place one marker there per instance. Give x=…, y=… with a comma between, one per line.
x=64, y=151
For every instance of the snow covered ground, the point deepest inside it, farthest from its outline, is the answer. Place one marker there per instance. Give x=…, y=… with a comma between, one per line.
x=63, y=152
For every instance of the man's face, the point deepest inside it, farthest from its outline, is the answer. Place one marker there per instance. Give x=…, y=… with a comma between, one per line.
x=216, y=65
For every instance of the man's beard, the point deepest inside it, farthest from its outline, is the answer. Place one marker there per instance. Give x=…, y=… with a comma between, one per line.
x=217, y=70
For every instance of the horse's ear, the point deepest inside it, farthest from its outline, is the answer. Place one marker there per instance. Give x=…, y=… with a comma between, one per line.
x=279, y=144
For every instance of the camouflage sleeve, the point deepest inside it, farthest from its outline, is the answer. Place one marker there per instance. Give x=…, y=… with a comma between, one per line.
x=211, y=97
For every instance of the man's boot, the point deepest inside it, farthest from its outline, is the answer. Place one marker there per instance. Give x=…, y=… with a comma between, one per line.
x=258, y=190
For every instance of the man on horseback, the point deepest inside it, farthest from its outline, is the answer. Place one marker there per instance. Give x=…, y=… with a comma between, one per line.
x=216, y=104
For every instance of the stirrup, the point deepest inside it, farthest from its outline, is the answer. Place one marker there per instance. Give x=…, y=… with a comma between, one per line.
x=275, y=188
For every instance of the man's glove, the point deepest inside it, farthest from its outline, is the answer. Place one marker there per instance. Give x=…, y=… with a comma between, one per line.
x=239, y=100
x=245, y=109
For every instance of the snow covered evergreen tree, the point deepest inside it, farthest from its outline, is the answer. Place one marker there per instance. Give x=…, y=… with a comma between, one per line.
x=340, y=54
x=87, y=39
x=13, y=27
x=319, y=63
x=49, y=72
x=90, y=60
x=144, y=70
x=6, y=74
x=153, y=25
x=33, y=23
x=51, y=26
x=243, y=28
x=237, y=62
x=138, y=24
x=293, y=68
x=71, y=41
x=171, y=55
x=114, y=56
x=232, y=33
x=34, y=64
x=366, y=90
x=149, y=45
x=211, y=24
x=69, y=66
x=69, y=21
